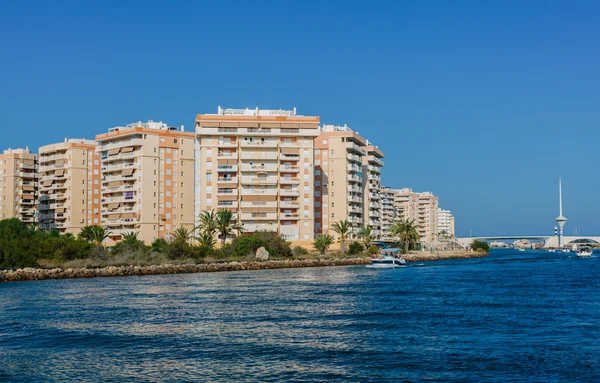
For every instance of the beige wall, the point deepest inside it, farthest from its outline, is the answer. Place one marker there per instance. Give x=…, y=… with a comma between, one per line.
x=19, y=187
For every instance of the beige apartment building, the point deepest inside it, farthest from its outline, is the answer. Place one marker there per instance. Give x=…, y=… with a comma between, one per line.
x=372, y=164
x=259, y=164
x=347, y=180
x=422, y=208
x=147, y=180
x=19, y=185
x=388, y=211
x=69, y=186
x=445, y=223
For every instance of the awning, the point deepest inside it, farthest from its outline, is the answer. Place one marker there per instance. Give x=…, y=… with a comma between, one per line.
x=28, y=188
x=128, y=215
x=128, y=149
x=28, y=162
x=163, y=217
x=114, y=216
x=295, y=151
x=47, y=183
x=59, y=210
x=112, y=206
x=28, y=196
x=59, y=172
x=226, y=162
x=227, y=198
x=60, y=162
x=112, y=152
x=254, y=198
x=127, y=172
x=115, y=184
x=260, y=210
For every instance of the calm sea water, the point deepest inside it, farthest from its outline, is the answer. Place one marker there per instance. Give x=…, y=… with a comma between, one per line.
x=528, y=316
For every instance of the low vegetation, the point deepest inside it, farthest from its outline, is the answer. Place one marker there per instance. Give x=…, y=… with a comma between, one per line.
x=478, y=245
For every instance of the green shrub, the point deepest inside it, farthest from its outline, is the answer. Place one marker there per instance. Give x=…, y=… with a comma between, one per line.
x=373, y=250
x=247, y=245
x=299, y=250
x=355, y=248
x=478, y=245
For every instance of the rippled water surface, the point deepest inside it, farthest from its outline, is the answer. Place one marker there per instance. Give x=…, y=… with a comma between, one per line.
x=529, y=316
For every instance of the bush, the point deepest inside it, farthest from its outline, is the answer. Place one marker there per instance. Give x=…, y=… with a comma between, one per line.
x=247, y=244
x=373, y=250
x=299, y=250
x=355, y=248
x=478, y=245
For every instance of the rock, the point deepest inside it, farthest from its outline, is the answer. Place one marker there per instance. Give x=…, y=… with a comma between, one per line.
x=262, y=254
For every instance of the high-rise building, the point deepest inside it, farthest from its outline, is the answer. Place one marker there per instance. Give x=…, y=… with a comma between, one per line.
x=372, y=164
x=422, y=209
x=388, y=211
x=147, y=180
x=347, y=180
x=445, y=223
x=69, y=186
x=19, y=185
x=339, y=181
x=258, y=164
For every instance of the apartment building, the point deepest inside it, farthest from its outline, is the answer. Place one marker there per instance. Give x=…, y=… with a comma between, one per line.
x=373, y=208
x=69, y=186
x=259, y=164
x=388, y=211
x=420, y=207
x=339, y=181
x=19, y=185
x=147, y=180
x=445, y=222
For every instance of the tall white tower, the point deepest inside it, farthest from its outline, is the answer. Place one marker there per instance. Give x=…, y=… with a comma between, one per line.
x=560, y=220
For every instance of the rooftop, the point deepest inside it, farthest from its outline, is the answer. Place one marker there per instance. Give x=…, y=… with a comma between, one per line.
x=147, y=125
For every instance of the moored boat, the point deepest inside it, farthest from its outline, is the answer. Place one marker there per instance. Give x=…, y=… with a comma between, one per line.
x=584, y=252
x=387, y=259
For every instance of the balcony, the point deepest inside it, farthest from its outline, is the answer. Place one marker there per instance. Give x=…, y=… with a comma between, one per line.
x=227, y=205
x=250, y=180
x=227, y=180
x=227, y=144
x=374, y=205
x=259, y=144
x=225, y=192
x=373, y=186
x=354, y=158
x=375, y=160
x=249, y=204
x=354, y=178
x=27, y=174
x=290, y=144
x=246, y=167
x=289, y=192
x=352, y=147
x=374, y=196
x=117, y=167
x=354, y=199
x=289, y=169
x=227, y=168
x=289, y=205
x=290, y=157
x=227, y=156
x=356, y=220
x=251, y=155
x=375, y=169
x=354, y=168
x=289, y=216
x=374, y=177
x=289, y=181
x=269, y=191
x=259, y=216
x=355, y=189
x=121, y=144
x=251, y=228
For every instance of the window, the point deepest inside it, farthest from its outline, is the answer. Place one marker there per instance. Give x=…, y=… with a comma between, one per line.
x=317, y=172
x=317, y=214
x=324, y=142
x=208, y=178
x=317, y=162
x=317, y=193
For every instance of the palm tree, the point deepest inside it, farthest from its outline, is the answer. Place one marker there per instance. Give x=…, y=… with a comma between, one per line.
x=207, y=222
x=342, y=228
x=181, y=234
x=365, y=233
x=206, y=239
x=226, y=224
x=94, y=234
x=407, y=233
x=131, y=236
x=322, y=243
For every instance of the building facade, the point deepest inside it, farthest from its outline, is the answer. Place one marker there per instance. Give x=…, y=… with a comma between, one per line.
x=69, y=186
x=388, y=211
x=445, y=223
x=422, y=208
x=258, y=164
x=147, y=180
x=373, y=207
x=19, y=185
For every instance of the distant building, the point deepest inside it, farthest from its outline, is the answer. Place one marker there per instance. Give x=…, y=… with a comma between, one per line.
x=445, y=222
x=19, y=185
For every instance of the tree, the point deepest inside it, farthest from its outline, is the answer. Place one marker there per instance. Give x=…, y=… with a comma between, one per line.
x=226, y=224
x=406, y=232
x=130, y=241
x=365, y=233
x=323, y=242
x=182, y=235
x=342, y=228
x=206, y=239
x=94, y=234
x=480, y=245
x=208, y=222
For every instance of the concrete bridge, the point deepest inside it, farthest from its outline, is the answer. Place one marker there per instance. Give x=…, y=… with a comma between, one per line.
x=549, y=241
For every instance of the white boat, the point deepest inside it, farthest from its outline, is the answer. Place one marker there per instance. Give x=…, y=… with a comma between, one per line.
x=551, y=250
x=584, y=252
x=387, y=259
x=521, y=249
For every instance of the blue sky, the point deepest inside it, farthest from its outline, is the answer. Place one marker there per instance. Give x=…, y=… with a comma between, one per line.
x=483, y=103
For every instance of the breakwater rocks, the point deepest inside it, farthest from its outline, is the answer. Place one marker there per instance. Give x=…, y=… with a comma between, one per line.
x=33, y=274
x=426, y=256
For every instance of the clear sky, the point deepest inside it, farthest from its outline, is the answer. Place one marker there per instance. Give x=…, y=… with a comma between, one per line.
x=483, y=103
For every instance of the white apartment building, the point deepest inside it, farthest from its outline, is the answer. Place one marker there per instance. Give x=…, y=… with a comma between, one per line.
x=445, y=222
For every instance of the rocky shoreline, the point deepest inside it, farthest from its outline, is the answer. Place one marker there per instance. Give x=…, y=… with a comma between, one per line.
x=35, y=274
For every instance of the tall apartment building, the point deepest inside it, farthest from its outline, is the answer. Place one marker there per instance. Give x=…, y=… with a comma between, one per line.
x=445, y=222
x=420, y=207
x=19, y=185
x=339, y=181
x=147, y=180
x=373, y=214
x=259, y=164
x=388, y=211
x=69, y=186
